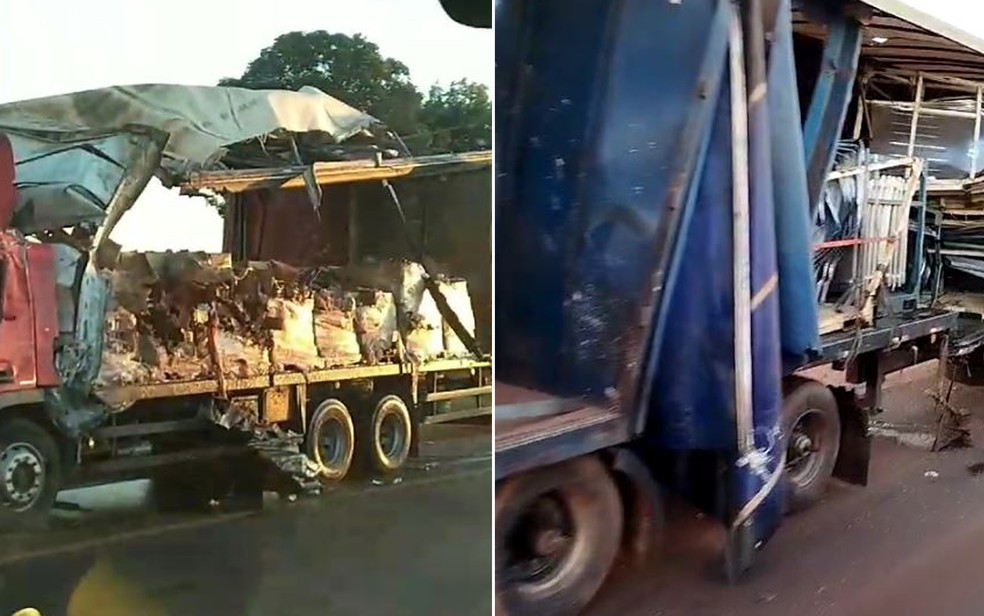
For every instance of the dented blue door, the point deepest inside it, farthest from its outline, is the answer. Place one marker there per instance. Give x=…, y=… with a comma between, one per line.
x=615, y=252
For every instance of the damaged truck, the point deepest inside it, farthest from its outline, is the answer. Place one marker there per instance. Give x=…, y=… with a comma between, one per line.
x=351, y=303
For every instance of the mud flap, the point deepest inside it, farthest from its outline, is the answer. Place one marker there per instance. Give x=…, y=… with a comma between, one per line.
x=855, y=440
x=642, y=501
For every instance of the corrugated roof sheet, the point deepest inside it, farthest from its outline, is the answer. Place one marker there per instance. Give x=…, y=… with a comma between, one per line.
x=902, y=41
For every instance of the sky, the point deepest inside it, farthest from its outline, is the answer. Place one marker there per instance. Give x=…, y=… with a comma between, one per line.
x=58, y=46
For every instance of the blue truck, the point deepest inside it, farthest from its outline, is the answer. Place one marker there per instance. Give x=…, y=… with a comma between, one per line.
x=659, y=168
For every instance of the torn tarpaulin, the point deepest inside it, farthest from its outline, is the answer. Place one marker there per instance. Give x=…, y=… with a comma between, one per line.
x=74, y=152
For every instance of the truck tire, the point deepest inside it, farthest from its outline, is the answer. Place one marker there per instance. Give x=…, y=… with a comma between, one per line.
x=811, y=431
x=30, y=474
x=557, y=533
x=390, y=431
x=330, y=439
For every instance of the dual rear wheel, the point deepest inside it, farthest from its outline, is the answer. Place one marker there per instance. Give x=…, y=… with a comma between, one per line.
x=558, y=529
x=557, y=532
x=382, y=446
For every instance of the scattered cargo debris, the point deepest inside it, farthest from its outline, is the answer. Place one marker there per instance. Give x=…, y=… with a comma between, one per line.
x=181, y=316
x=146, y=362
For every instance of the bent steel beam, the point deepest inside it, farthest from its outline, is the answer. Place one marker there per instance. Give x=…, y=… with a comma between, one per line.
x=831, y=97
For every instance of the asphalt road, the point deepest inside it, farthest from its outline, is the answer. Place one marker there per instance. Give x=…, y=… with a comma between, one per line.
x=911, y=542
x=420, y=544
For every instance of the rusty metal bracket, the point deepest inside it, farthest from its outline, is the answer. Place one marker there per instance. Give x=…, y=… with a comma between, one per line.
x=951, y=429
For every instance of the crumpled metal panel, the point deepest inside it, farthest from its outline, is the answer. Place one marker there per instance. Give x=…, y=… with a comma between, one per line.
x=592, y=149
x=73, y=151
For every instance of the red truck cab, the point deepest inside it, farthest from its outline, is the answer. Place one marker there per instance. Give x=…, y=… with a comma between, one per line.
x=29, y=460
x=29, y=323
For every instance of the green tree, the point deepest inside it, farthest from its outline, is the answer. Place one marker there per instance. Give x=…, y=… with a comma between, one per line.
x=350, y=68
x=459, y=118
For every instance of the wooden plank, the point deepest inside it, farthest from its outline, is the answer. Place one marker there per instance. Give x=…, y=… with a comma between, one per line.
x=326, y=173
x=831, y=320
x=458, y=415
x=454, y=394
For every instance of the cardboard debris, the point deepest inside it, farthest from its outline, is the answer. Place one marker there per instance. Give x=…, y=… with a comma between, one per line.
x=187, y=316
x=424, y=329
x=334, y=327
x=292, y=336
x=375, y=325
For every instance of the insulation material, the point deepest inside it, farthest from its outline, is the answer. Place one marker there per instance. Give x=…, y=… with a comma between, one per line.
x=334, y=327
x=375, y=325
x=121, y=360
x=424, y=337
x=455, y=291
x=189, y=316
x=410, y=293
x=418, y=317
x=240, y=357
x=292, y=335
x=161, y=313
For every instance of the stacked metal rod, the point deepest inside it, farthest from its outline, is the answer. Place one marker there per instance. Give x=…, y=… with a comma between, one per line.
x=960, y=209
x=962, y=241
x=836, y=219
x=866, y=205
x=885, y=216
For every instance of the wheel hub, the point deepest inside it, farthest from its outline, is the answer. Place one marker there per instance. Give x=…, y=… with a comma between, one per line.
x=22, y=475
x=331, y=443
x=802, y=444
x=802, y=459
x=390, y=436
x=549, y=542
x=544, y=539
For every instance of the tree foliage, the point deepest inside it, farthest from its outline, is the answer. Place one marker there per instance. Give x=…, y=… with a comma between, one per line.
x=352, y=69
x=459, y=117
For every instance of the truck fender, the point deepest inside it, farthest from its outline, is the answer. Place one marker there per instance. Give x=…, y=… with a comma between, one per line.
x=642, y=500
x=854, y=456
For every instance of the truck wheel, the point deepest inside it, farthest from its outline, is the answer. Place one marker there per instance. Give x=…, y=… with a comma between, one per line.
x=30, y=473
x=330, y=439
x=390, y=433
x=557, y=532
x=811, y=428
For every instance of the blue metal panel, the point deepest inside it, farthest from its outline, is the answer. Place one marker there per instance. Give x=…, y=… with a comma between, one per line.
x=594, y=166
x=544, y=125
x=797, y=295
x=614, y=189
x=831, y=97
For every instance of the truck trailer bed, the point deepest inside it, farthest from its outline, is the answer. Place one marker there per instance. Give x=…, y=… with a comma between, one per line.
x=534, y=429
x=889, y=332
x=132, y=393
